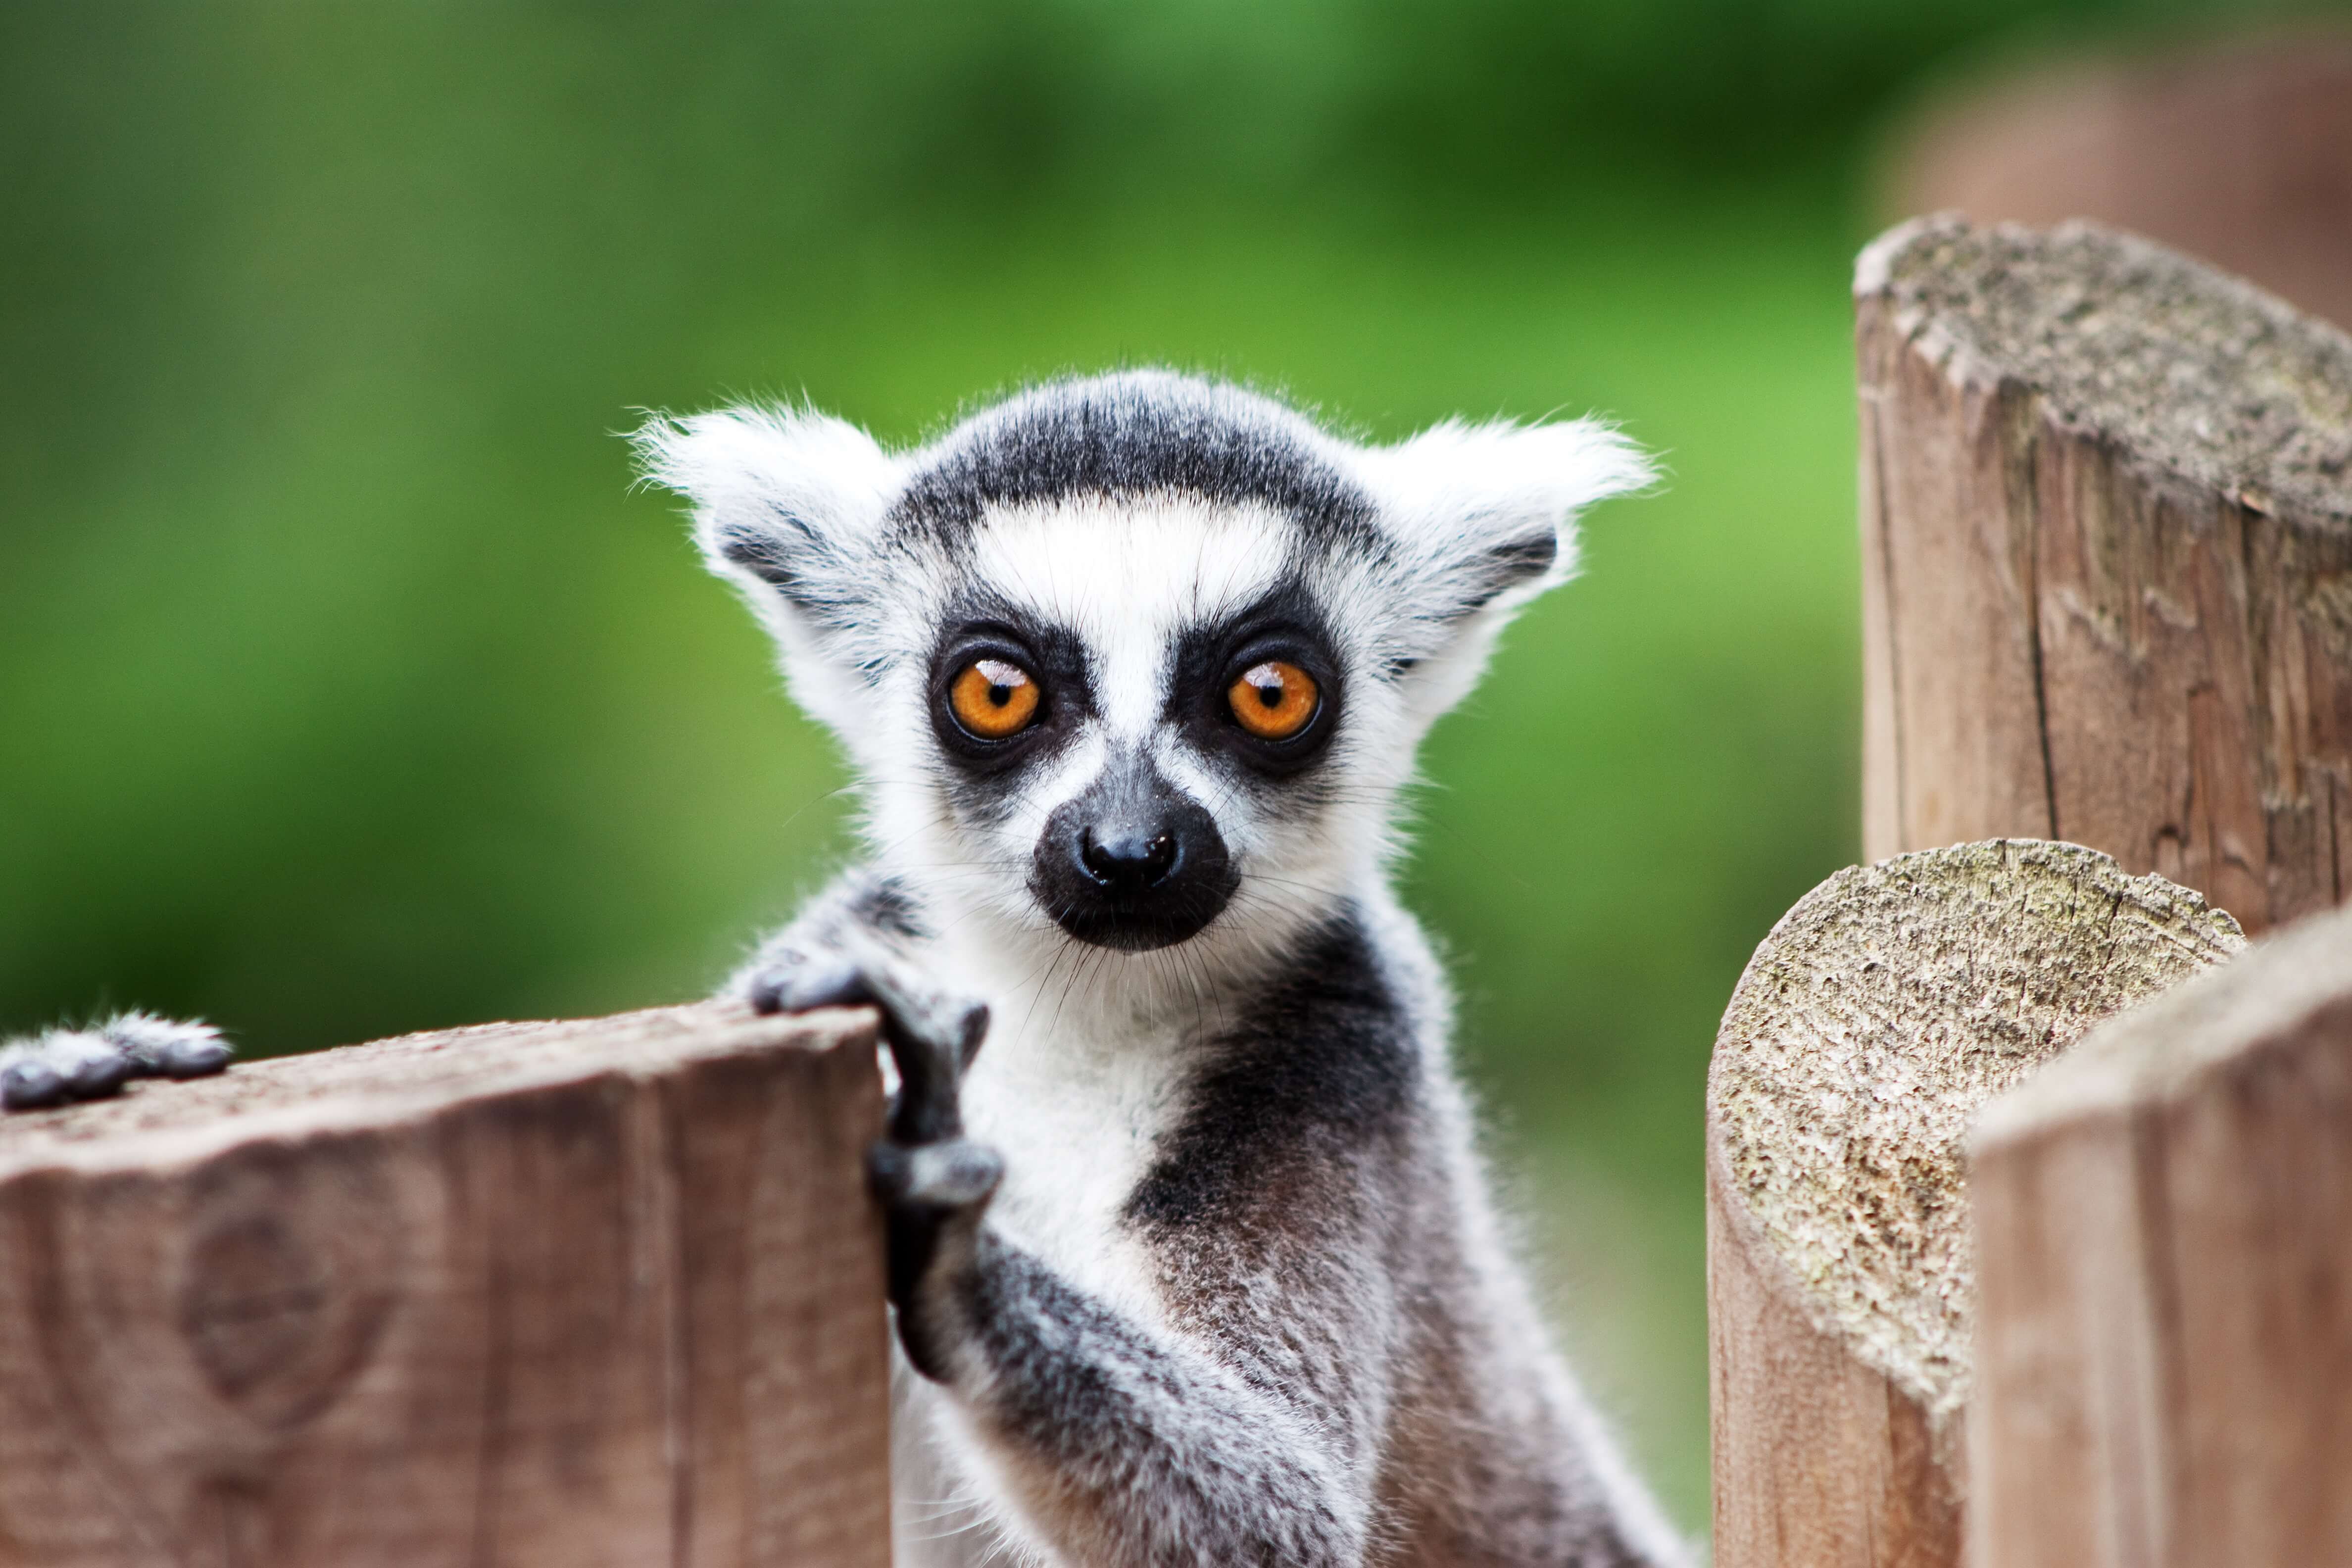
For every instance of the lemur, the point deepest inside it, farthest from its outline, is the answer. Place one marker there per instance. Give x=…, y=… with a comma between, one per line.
x=1195, y=1262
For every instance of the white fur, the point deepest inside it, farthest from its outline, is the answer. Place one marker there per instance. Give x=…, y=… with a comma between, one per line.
x=1456, y=486
x=1090, y=1051
x=821, y=483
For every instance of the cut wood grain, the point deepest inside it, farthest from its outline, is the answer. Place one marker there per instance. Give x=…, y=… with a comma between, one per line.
x=2164, y=1221
x=2107, y=508
x=1879, y=1015
x=600, y=1292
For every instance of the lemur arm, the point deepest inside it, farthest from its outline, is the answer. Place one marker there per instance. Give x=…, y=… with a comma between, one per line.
x=1123, y=1443
x=1120, y=1440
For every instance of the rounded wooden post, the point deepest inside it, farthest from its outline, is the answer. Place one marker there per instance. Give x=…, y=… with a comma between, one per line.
x=607, y=1292
x=1883, y=1010
x=2107, y=518
x=2164, y=1229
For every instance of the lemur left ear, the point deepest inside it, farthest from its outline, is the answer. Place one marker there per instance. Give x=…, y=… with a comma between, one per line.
x=1483, y=515
x=1481, y=518
x=788, y=505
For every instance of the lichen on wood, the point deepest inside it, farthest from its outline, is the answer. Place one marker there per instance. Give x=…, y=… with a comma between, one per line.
x=1881, y=1012
x=2189, y=370
x=2106, y=537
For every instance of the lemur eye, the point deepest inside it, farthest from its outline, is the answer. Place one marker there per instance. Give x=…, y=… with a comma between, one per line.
x=1272, y=700
x=992, y=699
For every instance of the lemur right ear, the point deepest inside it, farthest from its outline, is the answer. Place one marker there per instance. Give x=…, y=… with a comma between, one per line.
x=788, y=504
x=785, y=502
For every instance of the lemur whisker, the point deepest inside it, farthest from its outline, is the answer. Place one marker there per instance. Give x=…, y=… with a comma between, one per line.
x=976, y=1522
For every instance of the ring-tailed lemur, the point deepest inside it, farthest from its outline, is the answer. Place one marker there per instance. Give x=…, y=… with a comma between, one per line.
x=1195, y=1263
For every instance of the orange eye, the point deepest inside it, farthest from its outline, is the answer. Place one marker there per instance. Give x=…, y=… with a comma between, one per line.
x=992, y=699
x=1274, y=701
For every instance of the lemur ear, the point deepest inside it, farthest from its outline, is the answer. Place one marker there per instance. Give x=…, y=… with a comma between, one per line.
x=1484, y=514
x=1481, y=518
x=785, y=501
x=788, y=506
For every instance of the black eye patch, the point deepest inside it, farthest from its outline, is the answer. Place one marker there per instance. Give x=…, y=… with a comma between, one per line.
x=1284, y=627
x=991, y=633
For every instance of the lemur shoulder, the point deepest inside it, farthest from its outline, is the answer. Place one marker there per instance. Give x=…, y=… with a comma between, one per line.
x=1192, y=1254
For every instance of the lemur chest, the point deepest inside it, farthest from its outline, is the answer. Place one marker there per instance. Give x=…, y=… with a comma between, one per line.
x=1079, y=1122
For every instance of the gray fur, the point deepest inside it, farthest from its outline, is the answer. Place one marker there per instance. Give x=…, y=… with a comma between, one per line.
x=1192, y=1257
x=61, y=1066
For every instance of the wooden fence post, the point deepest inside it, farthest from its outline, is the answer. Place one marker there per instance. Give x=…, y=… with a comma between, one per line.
x=605, y=1292
x=2106, y=518
x=2163, y=1224
x=1881, y=1011
x=2236, y=148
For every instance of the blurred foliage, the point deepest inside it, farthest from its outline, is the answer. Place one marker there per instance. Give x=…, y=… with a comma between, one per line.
x=346, y=688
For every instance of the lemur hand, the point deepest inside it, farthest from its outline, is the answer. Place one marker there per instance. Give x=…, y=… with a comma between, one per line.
x=934, y=1183
x=63, y=1065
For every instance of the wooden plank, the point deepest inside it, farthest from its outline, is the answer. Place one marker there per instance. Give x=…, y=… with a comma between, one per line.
x=2107, y=534
x=598, y=1292
x=1883, y=1010
x=2165, y=1224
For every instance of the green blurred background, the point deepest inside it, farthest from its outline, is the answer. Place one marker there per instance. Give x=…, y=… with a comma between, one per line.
x=346, y=687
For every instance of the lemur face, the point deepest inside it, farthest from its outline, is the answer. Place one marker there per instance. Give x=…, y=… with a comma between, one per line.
x=1147, y=702
x=1138, y=660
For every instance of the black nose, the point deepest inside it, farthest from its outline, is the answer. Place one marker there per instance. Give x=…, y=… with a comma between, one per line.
x=1133, y=863
x=1128, y=860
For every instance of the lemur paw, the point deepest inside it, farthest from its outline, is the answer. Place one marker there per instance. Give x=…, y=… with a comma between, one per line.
x=65, y=1065
x=933, y=1196
x=932, y=1035
x=934, y=1184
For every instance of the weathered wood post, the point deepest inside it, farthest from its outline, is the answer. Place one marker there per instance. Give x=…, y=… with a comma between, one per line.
x=606, y=1292
x=2234, y=148
x=2164, y=1231
x=1890, y=1003
x=2107, y=558
x=2106, y=518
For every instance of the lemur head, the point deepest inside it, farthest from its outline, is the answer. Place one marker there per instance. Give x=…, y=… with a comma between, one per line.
x=1138, y=659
